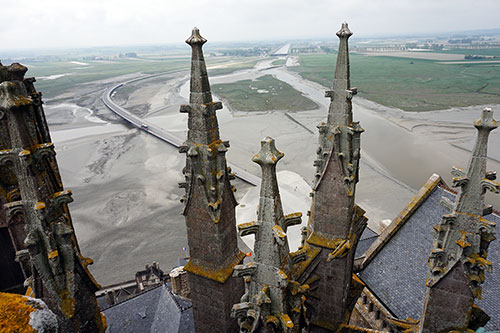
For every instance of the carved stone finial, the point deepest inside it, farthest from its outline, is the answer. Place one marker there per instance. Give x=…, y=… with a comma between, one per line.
x=268, y=153
x=17, y=71
x=196, y=38
x=486, y=121
x=344, y=31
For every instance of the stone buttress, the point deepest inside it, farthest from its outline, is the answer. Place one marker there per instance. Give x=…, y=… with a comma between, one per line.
x=272, y=301
x=335, y=222
x=37, y=211
x=458, y=259
x=209, y=207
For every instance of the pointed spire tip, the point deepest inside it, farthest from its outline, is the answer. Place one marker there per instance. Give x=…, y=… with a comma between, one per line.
x=196, y=38
x=486, y=120
x=344, y=31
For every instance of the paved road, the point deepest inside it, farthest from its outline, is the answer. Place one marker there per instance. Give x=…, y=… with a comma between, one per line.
x=159, y=132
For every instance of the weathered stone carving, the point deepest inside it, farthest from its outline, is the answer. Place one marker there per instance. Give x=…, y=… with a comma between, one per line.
x=335, y=222
x=57, y=271
x=272, y=300
x=458, y=260
x=209, y=206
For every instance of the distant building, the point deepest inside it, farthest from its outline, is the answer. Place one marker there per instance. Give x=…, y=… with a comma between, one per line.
x=150, y=277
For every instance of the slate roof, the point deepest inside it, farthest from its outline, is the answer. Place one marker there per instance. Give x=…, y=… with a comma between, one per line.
x=367, y=238
x=155, y=310
x=397, y=273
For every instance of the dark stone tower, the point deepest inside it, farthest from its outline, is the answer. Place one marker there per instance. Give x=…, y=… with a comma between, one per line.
x=13, y=261
x=272, y=301
x=458, y=259
x=37, y=211
x=335, y=222
x=209, y=207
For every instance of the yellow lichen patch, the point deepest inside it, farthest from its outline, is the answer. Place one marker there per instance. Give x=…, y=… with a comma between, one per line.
x=246, y=225
x=52, y=254
x=104, y=322
x=476, y=260
x=462, y=242
x=29, y=292
x=219, y=275
x=40, y=205
x=341, y=250
x=298, y=288
x=279, y=231
x=285, y=319
x=487, y=222
x=213, y=145
x=85, y=262
x=300, y=267
x=478, y=293
x=351, y=328
x=323, y=241
x=408, y=324
x=67, y=304
x=15, y=313
x=42, y=145
x=272, y=320
x=282, y=275
x=58, y=194
x=357, y=280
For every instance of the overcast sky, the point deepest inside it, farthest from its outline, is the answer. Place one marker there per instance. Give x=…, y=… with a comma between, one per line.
x=78, y=23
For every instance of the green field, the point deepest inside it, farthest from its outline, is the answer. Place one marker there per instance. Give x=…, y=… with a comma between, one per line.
x=94, y=71
x=233, y=67
x=104, y=69
x=485, y=52
x=278, y=62
x=410, y=84
x=263, y=94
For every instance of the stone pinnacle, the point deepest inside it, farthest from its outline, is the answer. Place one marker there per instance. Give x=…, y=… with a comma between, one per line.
x=196, y=38
x=344, y=31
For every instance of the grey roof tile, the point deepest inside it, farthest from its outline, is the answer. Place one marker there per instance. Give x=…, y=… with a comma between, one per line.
x=398, y=272
x=155, y=310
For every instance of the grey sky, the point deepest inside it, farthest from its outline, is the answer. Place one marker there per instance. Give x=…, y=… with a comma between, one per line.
x=73, y=23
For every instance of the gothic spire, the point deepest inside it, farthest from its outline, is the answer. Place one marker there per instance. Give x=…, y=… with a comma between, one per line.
x=202, y=123
x=336, y=222
x=476, y=181
x=340, y=111
x=269, y=300
x=209, y=205
x=340, y=135
x=461, y=241
x=205, y=151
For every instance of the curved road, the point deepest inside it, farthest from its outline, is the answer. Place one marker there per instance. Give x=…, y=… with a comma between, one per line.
x=159, y=132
